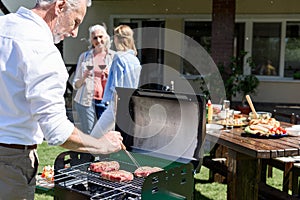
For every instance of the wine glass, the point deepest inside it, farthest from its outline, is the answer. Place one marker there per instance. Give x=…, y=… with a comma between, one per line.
x=89, y=62
x=226, y=105
x=90, y=67
x=102, y=67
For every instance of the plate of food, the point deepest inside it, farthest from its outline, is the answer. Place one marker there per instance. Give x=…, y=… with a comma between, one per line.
x=46, y=178
x=261, y=131
x=265, y=128
x=233, y=122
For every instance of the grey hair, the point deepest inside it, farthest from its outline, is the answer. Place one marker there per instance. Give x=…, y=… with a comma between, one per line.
x=73, y=4
x=101, y=28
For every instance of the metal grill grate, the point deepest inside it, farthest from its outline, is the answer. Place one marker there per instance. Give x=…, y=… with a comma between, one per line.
x=81, y=179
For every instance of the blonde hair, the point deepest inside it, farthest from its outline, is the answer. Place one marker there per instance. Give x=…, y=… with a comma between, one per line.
x=125, y=40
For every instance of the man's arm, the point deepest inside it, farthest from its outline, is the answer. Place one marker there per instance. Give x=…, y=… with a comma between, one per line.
x=81, y=142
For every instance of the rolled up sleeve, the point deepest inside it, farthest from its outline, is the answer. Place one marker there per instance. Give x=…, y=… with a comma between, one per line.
x=45, y=88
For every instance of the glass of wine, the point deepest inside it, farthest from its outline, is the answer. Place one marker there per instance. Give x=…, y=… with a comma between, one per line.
x=102, y=67
x=89, y=62
x=90, y=67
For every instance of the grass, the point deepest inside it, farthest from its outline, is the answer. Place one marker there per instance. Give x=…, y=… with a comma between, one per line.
x=47, y=155
x=206, y=190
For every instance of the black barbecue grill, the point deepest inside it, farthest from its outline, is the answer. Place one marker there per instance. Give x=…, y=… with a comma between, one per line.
x=152, y=142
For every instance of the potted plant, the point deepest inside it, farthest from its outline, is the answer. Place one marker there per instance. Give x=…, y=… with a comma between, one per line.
x=296, y=75
x=236, y=82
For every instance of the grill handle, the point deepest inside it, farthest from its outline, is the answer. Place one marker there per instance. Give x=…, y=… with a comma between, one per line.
x=71, y=158
x=123, y=146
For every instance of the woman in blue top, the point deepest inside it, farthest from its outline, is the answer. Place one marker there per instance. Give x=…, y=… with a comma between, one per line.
x=124, y=72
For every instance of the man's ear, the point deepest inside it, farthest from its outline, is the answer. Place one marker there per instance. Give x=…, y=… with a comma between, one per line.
x=60, y=6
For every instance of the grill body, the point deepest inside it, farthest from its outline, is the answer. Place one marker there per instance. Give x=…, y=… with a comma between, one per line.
x=158, y=130
x=78, y=182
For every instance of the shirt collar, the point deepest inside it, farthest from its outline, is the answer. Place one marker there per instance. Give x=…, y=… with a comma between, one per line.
x=26, y=13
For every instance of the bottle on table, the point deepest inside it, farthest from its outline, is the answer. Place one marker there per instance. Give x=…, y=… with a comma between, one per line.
x=209, y=112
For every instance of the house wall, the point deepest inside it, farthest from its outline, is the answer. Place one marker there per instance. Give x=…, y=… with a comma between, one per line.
x=102, y=11
x=174, y=12
x=276, y=92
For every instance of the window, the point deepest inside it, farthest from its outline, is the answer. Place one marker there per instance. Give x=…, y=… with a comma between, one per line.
x=201, y=32
x=266, y=48
x=273, y=44
x=292, y=49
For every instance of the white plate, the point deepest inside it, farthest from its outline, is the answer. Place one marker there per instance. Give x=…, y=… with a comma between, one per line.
x=213, y=127
x=292, y=131
x=236, y=112
x=297, y=127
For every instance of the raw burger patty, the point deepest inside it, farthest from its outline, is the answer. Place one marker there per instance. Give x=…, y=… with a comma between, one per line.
x=146, y=170
x=104, y=166
x=117, y=176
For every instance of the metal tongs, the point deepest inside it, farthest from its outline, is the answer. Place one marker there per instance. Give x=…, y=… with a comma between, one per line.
x=130, y=156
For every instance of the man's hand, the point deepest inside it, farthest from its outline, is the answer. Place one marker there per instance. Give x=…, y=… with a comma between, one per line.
x=111, y=142
x=81, y=142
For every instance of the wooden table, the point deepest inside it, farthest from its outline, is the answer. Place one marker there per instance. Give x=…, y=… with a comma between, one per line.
x=245, y=157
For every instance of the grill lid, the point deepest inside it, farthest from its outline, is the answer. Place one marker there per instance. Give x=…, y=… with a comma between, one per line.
x=160, y=123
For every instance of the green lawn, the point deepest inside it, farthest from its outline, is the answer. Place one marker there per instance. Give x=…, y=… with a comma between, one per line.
x=206, y=190
x=47, y=155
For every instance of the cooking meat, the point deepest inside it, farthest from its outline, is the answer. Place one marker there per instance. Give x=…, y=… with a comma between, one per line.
x=117, y=176
x=104, y=166
x=146, y=171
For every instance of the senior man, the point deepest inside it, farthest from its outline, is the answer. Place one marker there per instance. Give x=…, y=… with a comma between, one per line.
x=33, y=80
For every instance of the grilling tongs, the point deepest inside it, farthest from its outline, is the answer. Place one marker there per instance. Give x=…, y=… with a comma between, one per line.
x=130, y=156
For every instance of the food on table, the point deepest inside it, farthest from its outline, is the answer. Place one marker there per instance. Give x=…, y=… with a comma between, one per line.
x=265, y=127
x=146, y=171
x=117, y=176
x=233, y=122
x=48, y=173
x=104, y=166
x=271, y=122
x=241, y=117
x=259, y=128
x=260, y=115
x=216, y=108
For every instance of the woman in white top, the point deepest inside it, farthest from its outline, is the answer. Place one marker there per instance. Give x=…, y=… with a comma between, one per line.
x=90, y=78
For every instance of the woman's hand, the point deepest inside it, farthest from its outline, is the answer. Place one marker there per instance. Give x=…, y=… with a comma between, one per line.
x=86, y=74
x=81, y=81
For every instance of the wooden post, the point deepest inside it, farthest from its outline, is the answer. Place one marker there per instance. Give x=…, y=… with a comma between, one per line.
x=223, y=20
x=243, y=175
